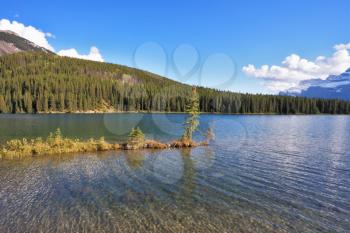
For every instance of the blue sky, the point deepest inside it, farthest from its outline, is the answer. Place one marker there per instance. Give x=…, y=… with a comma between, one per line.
x=147, y=33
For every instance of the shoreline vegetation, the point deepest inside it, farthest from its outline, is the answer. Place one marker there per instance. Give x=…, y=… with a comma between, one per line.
x=56, y=143
x=156, y=112
x=165, y=112
x=44, y=83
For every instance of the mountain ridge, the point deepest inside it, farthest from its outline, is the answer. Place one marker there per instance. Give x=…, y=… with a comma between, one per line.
x=11, y=42
x=333, y=87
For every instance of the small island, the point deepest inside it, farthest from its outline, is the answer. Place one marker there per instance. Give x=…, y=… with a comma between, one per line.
x=56, y=143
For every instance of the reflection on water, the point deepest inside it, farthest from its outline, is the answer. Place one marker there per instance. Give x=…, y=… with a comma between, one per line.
x=135, y=159
x=261, y=174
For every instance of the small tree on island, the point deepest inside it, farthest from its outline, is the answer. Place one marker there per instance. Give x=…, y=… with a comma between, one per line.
x=192, y=122
x=136, y=137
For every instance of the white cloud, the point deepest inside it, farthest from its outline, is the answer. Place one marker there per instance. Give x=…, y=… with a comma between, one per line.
x=28, y=32
x=295, y=69
x=342, y=46
x=94, y=54
x=40, y=38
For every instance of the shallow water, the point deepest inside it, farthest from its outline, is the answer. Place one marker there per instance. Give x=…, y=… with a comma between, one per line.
x=260, y=174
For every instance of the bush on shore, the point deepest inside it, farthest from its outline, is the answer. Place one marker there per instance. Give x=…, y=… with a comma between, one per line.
x=136, y=139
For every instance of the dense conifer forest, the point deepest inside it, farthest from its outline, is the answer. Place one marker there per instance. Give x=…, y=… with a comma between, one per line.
x=35, y=82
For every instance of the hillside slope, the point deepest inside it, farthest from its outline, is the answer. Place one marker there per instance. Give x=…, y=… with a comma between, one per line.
x=34, y=82
x=10, y=43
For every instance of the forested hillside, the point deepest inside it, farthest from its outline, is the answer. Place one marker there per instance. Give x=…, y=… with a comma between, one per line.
x=34, y=82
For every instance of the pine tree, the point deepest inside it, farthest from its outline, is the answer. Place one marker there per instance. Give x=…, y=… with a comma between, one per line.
x=3, y=107
x=192, y=122
x=28, y=103
x=136, y=137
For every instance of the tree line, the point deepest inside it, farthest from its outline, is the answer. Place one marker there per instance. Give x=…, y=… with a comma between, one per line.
x=35, y=82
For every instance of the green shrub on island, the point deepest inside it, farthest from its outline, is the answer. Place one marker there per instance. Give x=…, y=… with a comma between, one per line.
x=136, y=136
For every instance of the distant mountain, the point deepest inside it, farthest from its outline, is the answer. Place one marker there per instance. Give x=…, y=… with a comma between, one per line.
x=334, y=87
x=10, y=43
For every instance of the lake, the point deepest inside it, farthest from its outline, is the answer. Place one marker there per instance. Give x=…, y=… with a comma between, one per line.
x=260, y=174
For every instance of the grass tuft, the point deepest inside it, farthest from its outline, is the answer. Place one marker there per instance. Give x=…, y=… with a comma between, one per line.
x=56, y=143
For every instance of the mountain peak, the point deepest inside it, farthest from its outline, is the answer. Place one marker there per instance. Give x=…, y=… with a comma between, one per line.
x=9, y=32
x=334, y=87
x=11, y=42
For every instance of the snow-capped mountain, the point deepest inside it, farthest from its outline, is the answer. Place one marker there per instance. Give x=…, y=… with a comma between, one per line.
x=334, y=87
x=10, y=42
